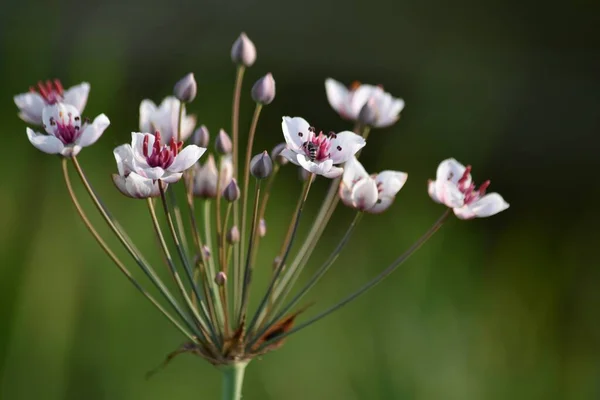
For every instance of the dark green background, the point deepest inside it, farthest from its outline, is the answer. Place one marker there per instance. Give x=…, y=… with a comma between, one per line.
x=501, y=308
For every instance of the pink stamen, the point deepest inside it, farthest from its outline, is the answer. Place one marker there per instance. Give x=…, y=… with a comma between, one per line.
x=51, y=91
x=162, y=155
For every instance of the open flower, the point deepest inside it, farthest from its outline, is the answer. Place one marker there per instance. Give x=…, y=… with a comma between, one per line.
x=149, y=158
x=371, y=193
x=31, y=104
x=317, y=153
x=454, y=188
x=165, y=119
x=383, y=109
x=67, y=133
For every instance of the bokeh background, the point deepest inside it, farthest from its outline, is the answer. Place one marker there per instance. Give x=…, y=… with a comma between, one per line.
x=501, y=308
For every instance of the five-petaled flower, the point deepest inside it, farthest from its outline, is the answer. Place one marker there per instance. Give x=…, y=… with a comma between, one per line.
x=31, y=104
x=371, y=193
x=454, y=188
x=384, y=108
x=147, y=160
x=165, y=119
x=317, y=153
x=67, y=133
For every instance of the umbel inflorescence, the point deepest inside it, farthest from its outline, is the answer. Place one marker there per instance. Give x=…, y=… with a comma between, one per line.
x=212, y=270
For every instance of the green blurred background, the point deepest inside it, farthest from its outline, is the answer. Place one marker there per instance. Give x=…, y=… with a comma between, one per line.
x=501, y=308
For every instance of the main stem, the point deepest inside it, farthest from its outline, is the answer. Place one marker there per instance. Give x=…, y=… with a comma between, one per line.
x=233, y=379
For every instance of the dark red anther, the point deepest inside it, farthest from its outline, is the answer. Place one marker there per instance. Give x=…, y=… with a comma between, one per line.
x=158, y=137
x=483, y=187
x=58, y=87
x=145, y=145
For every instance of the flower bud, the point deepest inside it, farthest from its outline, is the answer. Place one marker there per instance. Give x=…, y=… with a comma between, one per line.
x=232, y=191
x=276, y=154
x=368, y=113
x=185, y=89
x=201, y=137
x=233, y=235
x=303, y=174
x=262, y=228
x=223, y=143
x=261, y=165
x=243, y=51
x=263, y=91
x=206, y=251
x=221, y=278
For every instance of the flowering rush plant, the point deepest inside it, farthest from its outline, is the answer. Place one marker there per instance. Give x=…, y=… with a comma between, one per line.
x=208, y=300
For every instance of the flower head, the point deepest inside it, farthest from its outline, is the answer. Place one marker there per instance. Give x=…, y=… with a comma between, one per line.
x=371, y=193
x=382, y=110
x=67, y=133
x=317, y=153
x=149, y=158
x=31, y=104
x=165, y=119
x=243, y=51
x=454, y=188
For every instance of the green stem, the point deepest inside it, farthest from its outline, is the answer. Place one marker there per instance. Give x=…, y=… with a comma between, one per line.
x=233, y=380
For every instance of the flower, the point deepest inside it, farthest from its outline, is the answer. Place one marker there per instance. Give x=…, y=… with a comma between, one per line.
x=263, y=91
x=186, y=88
x=165, y=119
x=32, y=103
x=318, y=153
x=206, y=176
x=243, y=51
x=370, y=193
x=67, y=133
x=149, y=158
x=383, y=109
x=454, y=188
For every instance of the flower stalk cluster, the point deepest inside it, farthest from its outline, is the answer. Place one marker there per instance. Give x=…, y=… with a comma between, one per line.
x=212, y=269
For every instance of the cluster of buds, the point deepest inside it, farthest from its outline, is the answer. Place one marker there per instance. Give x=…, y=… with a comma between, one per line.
x=209, y=303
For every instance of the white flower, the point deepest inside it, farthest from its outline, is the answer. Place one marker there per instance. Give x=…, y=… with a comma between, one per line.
x=165, y=119
x=454, y=188
x=370, y=193
x=31, y=104
x=67, y=133
x=150, y=159
x=384, y=109
x=318, y=153
x=207, y=176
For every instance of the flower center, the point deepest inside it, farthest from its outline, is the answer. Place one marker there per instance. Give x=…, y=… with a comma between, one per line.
x=160, y=155
x=51, y=91
x=468, y=188
x=316, y=146
x=68, y=129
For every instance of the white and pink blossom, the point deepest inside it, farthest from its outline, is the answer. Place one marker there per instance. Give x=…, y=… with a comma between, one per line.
x=165, y=119
x=67, y=133
x=454, y=188
x=371, y=193
x=31, y=104
x=318, y=153
x=381, y=108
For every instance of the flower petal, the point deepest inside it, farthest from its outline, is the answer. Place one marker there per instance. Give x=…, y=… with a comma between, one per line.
x=136, y=186
x=147, y=109
x=92, y=132
x=46, y=143
x=359, y=97
x=171, y=177
x=344, y=145
x=295, y=132
x=488, y=205
x=334, y=172
x=383, y=203
x=337, y=95
x=77, y=96
x=30, y=105
x=290, y=155
x=345, y=193
x=447, y=193
x=124, y=157
x=390, y=182
x=451, y=170
x=353, y=171
x=71, y=151
x=57, y=112
x=188, y=156
x=137, y=146
x=187, y=127
x=364, y=194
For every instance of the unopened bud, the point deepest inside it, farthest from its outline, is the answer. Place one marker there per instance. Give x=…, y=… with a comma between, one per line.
x=223, y=143
x=243, y=51
x=232, y=191
x=261, y=165
x=221, y=278
x=303, y=174
x=276, y=154
x=185, y=89
x=206, y=251
x=233, y=235
x=263, y=91
x=368, y=113
x=262, y=228
x=201, y=137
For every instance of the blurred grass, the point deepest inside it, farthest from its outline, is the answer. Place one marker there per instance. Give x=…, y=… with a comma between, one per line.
x=503, y=308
